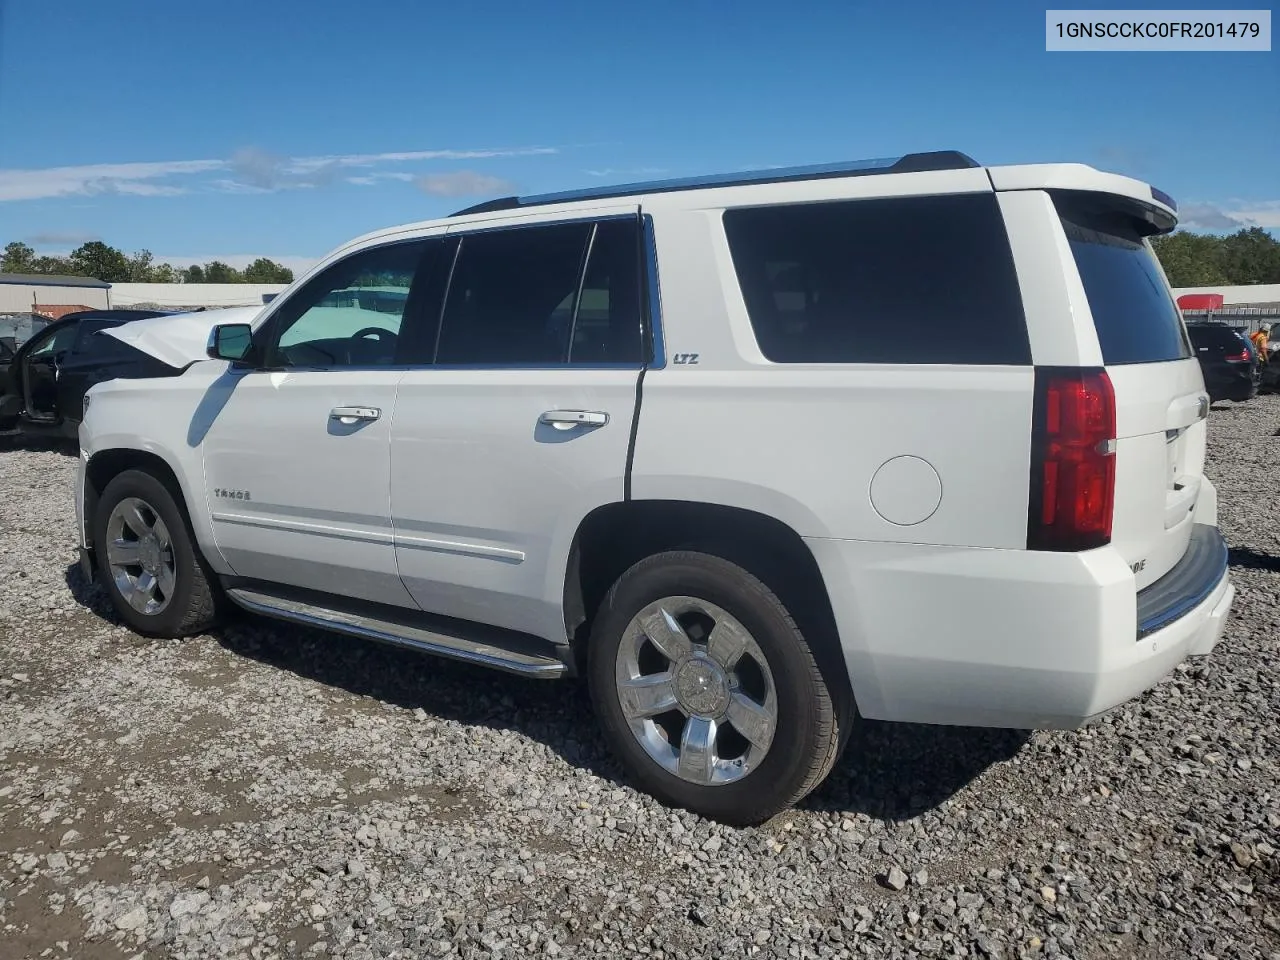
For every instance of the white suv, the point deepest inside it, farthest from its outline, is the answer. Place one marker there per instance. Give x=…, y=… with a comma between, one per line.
x=760, y=455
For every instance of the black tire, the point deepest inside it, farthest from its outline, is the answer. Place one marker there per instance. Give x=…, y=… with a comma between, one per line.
x=807, y=740
x=197, y=599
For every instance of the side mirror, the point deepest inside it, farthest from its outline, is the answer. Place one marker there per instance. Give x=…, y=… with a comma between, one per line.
x=230, y=341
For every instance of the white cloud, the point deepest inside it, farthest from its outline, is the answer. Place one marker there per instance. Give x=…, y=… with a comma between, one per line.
x=464, y=183
x=1206, y=216
x=248, y=170
x=17, y=184
x=53, y=238
x=1265, y=213
x=1231, y=215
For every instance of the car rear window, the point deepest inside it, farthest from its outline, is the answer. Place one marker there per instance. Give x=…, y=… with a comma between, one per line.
x=907, y=280
x=1133, y=311
x=1214, y=337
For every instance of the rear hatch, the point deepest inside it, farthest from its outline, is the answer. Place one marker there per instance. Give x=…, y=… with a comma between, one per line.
x=1160, y=398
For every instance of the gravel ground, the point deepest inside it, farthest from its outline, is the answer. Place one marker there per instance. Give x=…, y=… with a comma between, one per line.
x=275, y=792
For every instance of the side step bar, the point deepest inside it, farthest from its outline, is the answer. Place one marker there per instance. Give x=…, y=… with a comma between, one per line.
x=473, y=643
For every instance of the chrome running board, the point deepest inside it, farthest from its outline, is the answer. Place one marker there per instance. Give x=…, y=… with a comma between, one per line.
x=458, y=640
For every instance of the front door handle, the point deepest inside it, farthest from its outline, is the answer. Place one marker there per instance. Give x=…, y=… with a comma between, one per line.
x=568, y=419
x=354, y=414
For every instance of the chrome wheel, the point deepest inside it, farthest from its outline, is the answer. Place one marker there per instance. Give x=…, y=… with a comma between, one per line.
x=140, y=555
x=696, y=690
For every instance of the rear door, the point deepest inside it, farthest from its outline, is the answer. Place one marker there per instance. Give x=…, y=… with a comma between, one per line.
x=1161, y=404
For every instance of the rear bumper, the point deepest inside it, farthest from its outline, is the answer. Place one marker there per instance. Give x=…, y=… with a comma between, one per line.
x=1014, y=638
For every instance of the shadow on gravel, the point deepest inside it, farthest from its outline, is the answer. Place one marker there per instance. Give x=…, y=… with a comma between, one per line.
x=889, y=771
x=1252, y=560
x=39, y=444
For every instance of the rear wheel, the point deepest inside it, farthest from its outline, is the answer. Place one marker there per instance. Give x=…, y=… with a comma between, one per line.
x=148, y=561
x=707, y=690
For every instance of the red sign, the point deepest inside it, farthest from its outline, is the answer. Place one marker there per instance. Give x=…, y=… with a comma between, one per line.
x=1200, y=301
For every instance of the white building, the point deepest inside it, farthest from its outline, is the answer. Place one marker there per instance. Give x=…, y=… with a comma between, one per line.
x=28, y=293
x=189, y=296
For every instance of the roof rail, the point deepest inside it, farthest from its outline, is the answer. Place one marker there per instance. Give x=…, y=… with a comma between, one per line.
x=909, y=163
x=489, y=206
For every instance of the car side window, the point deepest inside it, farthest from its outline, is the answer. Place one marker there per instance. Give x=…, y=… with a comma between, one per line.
x=87, y=342
x=352, y=314
x=55, y=343
x=545, y=295
x=905, y=280
x=510, y=298
x=607, y=327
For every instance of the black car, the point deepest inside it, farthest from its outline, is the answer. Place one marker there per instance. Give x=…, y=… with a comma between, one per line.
x=1227, y=361
x=42, y=390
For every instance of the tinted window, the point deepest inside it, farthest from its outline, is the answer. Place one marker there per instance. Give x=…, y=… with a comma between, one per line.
x=55, y=343
x=511, y=296
x=1219, y=337
x=607, y=326
x=351, y=314
x=89, y=344
x=913, y=280
x=1134, y=313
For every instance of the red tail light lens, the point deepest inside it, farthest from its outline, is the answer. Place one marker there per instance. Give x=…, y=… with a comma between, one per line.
x=1240, y=357
x=1073, y=462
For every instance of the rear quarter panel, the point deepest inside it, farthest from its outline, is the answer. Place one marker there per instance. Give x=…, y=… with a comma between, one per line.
x=803, y=442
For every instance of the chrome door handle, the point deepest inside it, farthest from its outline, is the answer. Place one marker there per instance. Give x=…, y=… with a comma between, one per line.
x=568, y=419
x=354, y=414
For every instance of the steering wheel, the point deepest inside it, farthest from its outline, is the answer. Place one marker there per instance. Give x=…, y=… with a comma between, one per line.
x=382, y=336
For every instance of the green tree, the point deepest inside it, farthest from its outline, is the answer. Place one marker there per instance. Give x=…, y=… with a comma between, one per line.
x=1205, y=260
x=96, y=259
x=18, y=258
x=219, y=272
x=139, y=266
x=165, y=273
x=57, y=265
x=193, y=274
x=1190, y=259
x=264, y=270
x=1251, y=256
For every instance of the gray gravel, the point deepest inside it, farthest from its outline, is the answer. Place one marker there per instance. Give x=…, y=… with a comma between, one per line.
x=272, y=792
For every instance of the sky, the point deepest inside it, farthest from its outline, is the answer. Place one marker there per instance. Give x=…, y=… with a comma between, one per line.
x=283, y=128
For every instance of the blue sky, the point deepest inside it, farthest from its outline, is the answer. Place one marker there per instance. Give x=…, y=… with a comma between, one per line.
x=284, y=127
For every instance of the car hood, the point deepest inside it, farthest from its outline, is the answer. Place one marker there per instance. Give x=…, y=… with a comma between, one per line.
x=180, y=339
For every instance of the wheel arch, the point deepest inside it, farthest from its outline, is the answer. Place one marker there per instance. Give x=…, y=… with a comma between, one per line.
x=105, y=464
x=613, y=537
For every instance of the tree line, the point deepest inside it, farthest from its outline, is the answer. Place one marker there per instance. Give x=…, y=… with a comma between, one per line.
x=103, y=262
x=1205, y=260
x=1190, y=260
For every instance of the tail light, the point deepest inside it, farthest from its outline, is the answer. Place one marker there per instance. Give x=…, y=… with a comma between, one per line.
x=1240, y=357
x=1073, y=460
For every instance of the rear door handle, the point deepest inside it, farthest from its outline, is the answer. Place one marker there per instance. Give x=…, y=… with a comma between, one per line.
x=354, y=414
x=568, y=419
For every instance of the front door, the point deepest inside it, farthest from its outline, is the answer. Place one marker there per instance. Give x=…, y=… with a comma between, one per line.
x=517, y=425
x=297, y=449
x=40, y=371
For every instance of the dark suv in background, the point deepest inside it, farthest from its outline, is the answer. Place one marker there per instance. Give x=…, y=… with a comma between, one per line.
x=43, y=381
x=1227, y=361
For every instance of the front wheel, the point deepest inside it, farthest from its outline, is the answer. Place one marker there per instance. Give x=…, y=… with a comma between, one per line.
x=148, y=561
x=708, y=692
